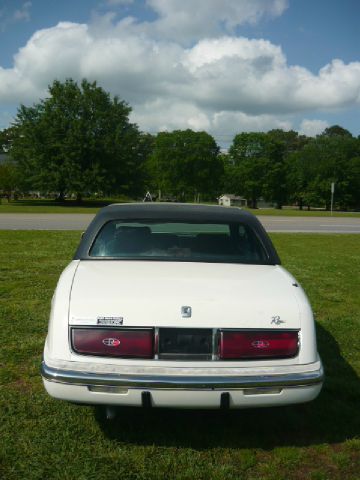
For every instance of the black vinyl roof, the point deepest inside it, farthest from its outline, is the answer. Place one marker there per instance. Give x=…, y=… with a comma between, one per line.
x=177, y=212
x=172, y=210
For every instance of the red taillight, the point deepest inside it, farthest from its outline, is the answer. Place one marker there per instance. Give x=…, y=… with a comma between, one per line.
x=261, y=344
x=135, y=343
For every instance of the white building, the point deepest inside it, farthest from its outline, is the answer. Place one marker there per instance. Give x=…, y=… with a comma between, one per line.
x=230, y=200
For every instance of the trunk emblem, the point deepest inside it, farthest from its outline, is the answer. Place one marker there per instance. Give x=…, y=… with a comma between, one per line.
x=111, y=342
x=186, y=312
x=260, y=344
x=277, y=320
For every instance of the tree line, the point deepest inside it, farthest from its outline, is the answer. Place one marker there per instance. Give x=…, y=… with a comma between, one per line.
x=79, y=140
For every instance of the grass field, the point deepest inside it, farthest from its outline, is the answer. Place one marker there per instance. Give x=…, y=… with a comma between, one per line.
x=50, y=206
x=92, y=206
x=288, y=212
x=41, y=438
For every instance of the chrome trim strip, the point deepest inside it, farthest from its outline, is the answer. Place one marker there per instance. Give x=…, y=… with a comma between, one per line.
x=72, y=377
x=156, y=343
x=215, y=355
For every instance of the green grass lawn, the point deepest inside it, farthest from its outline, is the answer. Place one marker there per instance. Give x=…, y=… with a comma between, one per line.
x=51, y=206
x=41, y=438
x=92, y=206
x=289, y=212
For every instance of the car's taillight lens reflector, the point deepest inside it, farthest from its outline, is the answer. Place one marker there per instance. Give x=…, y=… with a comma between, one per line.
x=261, y=344
x=129, y=343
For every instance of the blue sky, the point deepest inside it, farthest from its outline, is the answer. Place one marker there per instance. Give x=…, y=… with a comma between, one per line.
x=219, y=65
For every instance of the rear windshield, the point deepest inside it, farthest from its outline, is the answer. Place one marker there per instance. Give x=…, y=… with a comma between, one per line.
x=178, y=241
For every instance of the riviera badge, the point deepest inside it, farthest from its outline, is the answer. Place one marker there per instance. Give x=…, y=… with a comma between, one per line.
x=277, y=320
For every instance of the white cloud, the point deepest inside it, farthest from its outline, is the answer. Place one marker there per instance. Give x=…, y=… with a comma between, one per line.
x=224, y=84
x=232, y=122
x=186, y=19
x=311, y=128
x=23, y=13
x=112, y=3
x=9, y=17
x=253, y=76
x=167, y=115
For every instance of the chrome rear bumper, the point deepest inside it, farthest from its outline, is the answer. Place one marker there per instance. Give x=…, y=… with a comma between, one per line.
x=71, y=377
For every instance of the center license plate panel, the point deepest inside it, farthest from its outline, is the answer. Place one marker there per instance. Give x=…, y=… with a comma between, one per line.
x=185, y=343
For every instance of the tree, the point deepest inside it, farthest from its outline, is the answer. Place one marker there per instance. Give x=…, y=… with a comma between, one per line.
x=246, y=166
x=353, y=180
x=6, y=139
x=137, y=157
x=291, y=140
x=9, y=179
x=276, y=184
x=336, y=131
x=257, y=166
x=324, y=160
x=79, y=140
x=186, y=163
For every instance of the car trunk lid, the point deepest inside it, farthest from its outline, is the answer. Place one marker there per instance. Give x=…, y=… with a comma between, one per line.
x=183, y=294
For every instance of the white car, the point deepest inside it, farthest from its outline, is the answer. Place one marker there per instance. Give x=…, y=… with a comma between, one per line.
x=174, y=305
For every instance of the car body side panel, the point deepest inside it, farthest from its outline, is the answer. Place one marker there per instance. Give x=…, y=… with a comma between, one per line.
x=308, y=332
x=57, y=338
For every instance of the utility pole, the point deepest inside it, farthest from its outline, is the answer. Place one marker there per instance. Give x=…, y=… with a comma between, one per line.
x=332, y=196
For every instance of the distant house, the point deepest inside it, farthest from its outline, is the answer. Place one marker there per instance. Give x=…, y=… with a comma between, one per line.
x=230, y=200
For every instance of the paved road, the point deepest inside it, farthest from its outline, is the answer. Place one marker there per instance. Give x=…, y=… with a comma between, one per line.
x=74, y=221
x=45, y=221
x=311, y=224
